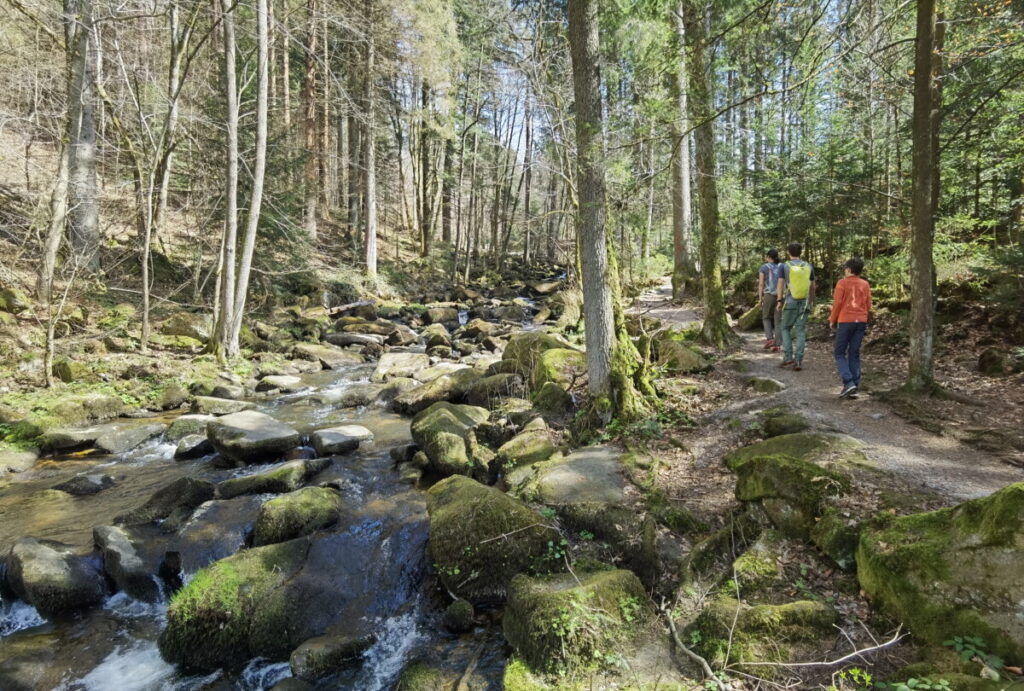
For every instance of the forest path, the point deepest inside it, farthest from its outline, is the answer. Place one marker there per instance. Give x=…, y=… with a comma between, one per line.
x=922, y=459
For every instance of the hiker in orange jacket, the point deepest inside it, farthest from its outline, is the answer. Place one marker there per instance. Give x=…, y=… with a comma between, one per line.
x=851, y=306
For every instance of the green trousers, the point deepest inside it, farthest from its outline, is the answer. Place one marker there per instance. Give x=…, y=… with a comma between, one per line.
x=794, y=328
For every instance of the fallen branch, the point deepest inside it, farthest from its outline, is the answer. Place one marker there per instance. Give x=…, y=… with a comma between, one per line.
x=829, y=663
x=708, y=672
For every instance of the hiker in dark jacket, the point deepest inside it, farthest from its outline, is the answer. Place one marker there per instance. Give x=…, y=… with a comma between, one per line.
x=767, y=283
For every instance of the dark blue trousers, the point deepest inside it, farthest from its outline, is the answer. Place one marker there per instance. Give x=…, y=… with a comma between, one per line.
x=847, y=351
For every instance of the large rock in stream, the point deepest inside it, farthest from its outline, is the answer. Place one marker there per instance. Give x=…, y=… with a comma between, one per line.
x=251, y=437
x=480, y=538
x=956, y=571
x=445, y=433
x=296, y=514
x=287, y=477
x=52, y=578
x=447, y=387
x=266, y=601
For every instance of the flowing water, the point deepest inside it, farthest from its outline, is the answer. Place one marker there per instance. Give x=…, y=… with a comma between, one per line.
x=113, y=646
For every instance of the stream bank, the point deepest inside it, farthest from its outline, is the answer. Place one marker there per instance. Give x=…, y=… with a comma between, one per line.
x=415, y=514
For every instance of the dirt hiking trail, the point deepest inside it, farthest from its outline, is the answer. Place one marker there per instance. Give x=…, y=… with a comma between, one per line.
x=939, y=463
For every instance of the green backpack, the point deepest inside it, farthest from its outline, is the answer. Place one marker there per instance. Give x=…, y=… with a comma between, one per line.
x=799, y=278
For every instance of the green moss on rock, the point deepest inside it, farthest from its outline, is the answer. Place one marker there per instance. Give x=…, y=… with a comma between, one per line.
x=759, y=633
x=296, y=514
x=559, y=624
x=778, y=423
x=792, y=491
x=421, y=676
x=758, y=568
x=533, y=446
x=480, y=538
x=233, y=610
x=950, y=572
x=524, y=349
x=563, y=366
x=837, y=536
x=445, y=433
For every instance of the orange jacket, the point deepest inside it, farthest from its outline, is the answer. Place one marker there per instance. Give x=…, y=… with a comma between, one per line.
x=851, y=301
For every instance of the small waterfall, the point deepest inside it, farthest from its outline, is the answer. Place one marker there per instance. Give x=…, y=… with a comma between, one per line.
x=262, y=674
x=384, y=660
x=16, y=616
x=137, y=667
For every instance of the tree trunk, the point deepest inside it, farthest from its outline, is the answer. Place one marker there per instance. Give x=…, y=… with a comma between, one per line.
x=610, y=364
x=55, y=229
x=716, y=329
x=83, y=213
x=924, y=133
x=370, y=171
x=259, y=172
x=447, y=190
x=682, y=266
x=312, y=182
x=225, y=315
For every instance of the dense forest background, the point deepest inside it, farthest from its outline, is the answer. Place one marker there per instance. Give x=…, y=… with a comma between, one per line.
x=173, y=144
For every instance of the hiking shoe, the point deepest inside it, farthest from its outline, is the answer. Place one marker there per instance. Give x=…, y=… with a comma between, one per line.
x=775, y=349
x=798, y=365
x=787, y=363
x=849, y=391
x=769, y=344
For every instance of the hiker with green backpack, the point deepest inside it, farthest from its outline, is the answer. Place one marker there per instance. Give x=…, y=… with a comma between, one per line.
x=796, y=298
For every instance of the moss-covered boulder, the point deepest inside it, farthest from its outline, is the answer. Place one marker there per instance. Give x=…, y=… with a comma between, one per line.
x=436, y=335
x=296, y=514
x=422, y=676
x=69, y=371
x=837, y=534
x=13, y=301
x=792, y=491
x=677, y=355
x=445, y=433
x=955, y=571
x=759, y=633
x=525, y=348
x=447, y=387
x=561, y=624
x=794, y=477
x=52, y=578
x=553, y=399
x=234, y=610
x=777, y=422
x=759, y=567
x=480, y=538
x=186, y=425
x=489, y=391
x=750, y=320
x=563, y=366
x=528, y=447
x=189, y=325
x=267, y=601
x=287, y=477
